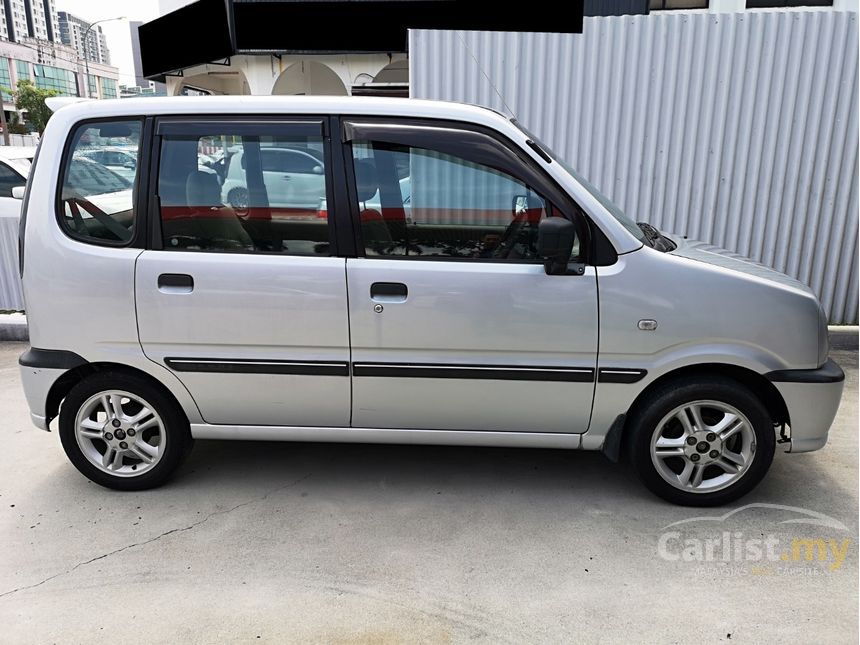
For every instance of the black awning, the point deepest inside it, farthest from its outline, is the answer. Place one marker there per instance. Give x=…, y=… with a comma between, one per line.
x=197, y=33
x=212, y=30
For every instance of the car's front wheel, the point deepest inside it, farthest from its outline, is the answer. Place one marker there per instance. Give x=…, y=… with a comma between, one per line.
x=701, y=442
x=121, y=431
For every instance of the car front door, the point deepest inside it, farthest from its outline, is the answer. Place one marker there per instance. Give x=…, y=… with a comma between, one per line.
x=455, y=324
x=249, y=310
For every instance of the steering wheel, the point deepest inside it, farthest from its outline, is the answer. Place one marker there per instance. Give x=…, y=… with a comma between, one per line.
x=512, y=235
x=77, y=202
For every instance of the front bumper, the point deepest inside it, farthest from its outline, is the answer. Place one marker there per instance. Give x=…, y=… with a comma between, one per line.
x=812, y=398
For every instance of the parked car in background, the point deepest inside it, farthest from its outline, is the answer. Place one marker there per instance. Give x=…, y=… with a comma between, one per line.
x=289, y=175
x=14, y=168
x=476, y=319
x=119, y=160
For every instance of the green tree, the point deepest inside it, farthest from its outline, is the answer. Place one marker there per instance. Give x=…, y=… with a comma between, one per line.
x=31, y=99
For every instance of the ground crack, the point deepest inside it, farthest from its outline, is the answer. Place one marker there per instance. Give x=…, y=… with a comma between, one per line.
x=181, y=529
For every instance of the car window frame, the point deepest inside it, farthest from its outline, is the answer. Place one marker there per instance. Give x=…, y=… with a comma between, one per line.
x=15, y=173
x=201, y=125
x=460, y=136
x=139, y=186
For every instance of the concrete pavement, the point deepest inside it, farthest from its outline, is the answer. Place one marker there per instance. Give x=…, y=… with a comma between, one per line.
x=386, y=544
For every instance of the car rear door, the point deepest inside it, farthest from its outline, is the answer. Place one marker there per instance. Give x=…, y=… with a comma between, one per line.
x=455, y=324
x=249, y=309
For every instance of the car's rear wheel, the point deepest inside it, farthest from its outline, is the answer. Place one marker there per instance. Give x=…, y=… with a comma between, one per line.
x=701, y=442
x=121, y=431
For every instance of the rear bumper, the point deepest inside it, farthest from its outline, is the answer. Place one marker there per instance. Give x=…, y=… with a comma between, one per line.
x=812, y=398
x=40, y=369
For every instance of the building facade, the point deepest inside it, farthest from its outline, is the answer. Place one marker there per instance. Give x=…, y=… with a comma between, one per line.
x=88, y=42
x=28, y=19
x=31, y=48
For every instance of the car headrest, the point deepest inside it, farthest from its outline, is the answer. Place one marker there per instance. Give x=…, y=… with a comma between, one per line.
x=366, y=181
x=202, y=189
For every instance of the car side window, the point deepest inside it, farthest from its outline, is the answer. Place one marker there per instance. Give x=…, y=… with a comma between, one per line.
x=8, y=180
x=97, y=203
x=255, y=206
x=417, y=202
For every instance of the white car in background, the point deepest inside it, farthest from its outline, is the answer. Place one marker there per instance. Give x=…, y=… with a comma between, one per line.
x=291, y=176
x=14, y=168
x=116, y=159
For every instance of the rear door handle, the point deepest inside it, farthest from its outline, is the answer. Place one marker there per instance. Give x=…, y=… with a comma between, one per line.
x=175, y=283
x=388, y=292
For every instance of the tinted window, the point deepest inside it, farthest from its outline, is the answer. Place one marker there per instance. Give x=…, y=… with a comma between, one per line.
x=421, y=203
x=8, y=180
x=97, y=204
x=257, y=203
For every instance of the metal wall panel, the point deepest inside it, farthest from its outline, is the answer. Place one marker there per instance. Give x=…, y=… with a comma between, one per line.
x=11, y=296
x=736, y=129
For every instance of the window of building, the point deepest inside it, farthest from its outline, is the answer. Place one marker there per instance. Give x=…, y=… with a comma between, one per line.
x=232, y=190
x=108, y=88
x=415, y=202
x=97, y=203
x=658, y=5
x=766, y=4
x=55, y=78
x=22, y=70
x=5, y=79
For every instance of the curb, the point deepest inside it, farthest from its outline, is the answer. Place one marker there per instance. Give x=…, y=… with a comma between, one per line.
x=844, y=338
x=13, y=327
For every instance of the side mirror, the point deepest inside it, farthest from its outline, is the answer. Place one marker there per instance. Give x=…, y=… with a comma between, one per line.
x=130, y=164
x=18, y=192
x=556, y=236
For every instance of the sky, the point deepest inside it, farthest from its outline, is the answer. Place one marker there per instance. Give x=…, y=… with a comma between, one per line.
x=117, y=33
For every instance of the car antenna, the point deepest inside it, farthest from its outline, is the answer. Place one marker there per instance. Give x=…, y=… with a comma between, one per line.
x=485, y=75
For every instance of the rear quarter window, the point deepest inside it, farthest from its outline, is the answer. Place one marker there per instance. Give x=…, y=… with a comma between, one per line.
x=96, y=201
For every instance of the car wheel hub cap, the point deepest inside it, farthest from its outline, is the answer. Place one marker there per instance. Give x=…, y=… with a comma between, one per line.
x=703, y=446
x=120, y=433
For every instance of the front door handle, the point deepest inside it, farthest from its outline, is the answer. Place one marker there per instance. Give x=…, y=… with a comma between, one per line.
x=388, y=292
x=175, y=283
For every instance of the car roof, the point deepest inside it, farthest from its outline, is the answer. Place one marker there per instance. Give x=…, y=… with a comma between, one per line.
x=17, y=152
x=76, y=109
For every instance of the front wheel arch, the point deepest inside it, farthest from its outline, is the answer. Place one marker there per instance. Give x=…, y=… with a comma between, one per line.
x=755, y=382
x=763, y=389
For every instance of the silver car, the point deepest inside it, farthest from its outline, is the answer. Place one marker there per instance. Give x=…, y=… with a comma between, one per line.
x=514, y=306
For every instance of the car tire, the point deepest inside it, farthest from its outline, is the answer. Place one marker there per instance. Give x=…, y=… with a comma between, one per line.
x=239, y=200
x=688, y=437
x=109, y=437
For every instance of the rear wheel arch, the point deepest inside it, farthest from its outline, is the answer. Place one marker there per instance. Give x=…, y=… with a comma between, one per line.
x=63, y=385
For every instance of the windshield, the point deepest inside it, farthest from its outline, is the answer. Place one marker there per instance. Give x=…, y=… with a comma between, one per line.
x=616, y=212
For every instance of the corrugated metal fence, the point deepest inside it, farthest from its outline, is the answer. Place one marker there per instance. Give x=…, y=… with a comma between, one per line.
x=735, y=129
x=11, y=296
